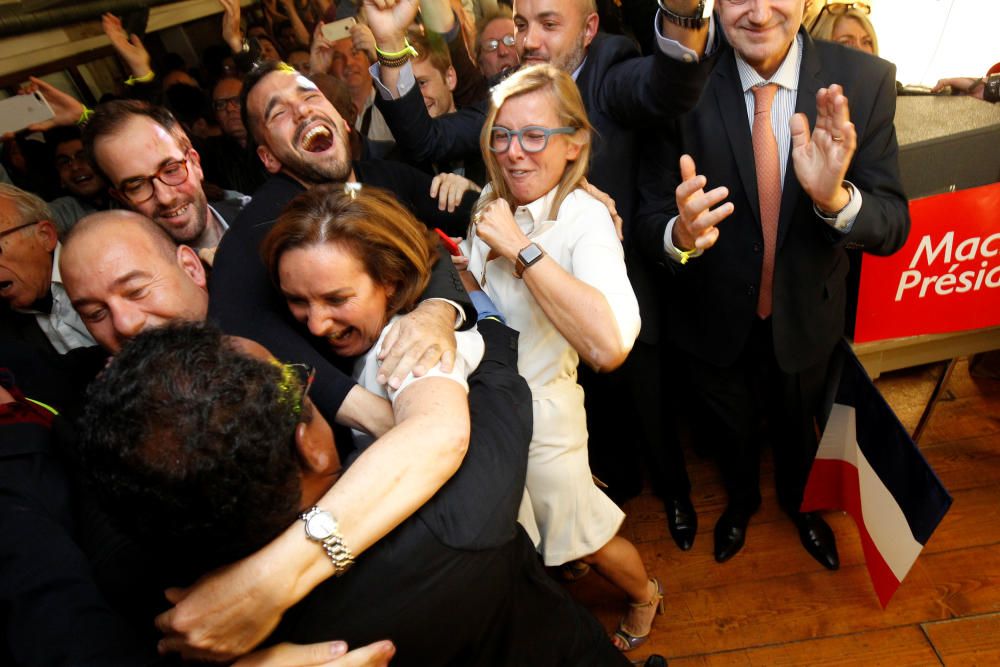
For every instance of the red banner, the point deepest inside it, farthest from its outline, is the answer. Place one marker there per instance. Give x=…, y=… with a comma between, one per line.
x=947, y=276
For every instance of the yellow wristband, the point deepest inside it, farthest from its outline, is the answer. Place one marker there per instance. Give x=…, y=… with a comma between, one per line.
x=407, y=51
x=145, y=78
x=85, y=116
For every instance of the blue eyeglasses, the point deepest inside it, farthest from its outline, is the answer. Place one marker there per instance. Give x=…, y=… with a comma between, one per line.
x=533, y=138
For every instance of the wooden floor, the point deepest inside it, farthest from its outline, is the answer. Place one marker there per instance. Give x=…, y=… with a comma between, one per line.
x=773, y=605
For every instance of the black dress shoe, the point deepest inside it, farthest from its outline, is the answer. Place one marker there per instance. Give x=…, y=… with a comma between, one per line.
x=682, y=521
x=818, y=539
x=730, y=533
x=655, y=660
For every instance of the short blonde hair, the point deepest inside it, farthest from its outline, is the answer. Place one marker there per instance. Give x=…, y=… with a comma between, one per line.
x=566, y=100
x=827, y=23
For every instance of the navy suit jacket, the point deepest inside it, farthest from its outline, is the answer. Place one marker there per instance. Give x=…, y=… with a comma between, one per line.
x=712, y=300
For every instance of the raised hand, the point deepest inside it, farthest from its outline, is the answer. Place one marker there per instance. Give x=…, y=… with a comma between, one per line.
x=695, y=228
x=130, y=48
x=231, y=32
x=363, y=41
x=321, y=52
x=822, y=158
x=67, y=109
x=496, y=226
x=388, y=20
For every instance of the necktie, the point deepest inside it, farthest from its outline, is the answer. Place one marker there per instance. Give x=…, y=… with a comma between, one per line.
x=765, y=157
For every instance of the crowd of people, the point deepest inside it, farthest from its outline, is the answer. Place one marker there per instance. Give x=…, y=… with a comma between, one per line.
x=356, y=347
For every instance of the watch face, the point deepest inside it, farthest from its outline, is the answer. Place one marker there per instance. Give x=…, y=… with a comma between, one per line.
x=321, y=526
x=530, y=254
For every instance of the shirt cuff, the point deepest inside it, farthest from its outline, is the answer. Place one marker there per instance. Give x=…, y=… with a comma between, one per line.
x=672, y=251
x=674, y=49
x=459, y=312
x=843, y=221
x=484, y=306
x=403, y=85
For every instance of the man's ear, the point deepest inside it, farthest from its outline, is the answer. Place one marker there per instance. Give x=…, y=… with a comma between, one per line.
x=191, y=264
x=315, y=455
x=46, y=232
x=271, y=162
x=451, y=78
x=195, y=160
x=590, y=25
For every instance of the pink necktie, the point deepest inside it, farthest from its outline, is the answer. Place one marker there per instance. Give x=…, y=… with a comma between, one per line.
x=765, y=157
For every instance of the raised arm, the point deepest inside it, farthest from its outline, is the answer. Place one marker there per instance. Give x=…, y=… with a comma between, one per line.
x=597, y=314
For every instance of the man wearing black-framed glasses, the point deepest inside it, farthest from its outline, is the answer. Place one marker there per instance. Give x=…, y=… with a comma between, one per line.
x=153, y=169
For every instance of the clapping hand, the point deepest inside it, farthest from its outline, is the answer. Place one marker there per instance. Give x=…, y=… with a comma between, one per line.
x=822, y=158
x=696, y=228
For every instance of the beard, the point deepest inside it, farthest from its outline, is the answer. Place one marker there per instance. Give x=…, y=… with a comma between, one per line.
x=314, y=169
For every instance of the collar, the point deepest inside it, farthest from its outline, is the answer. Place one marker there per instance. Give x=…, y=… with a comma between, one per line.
x=579, y=68
x=787, y=75
x=537, y=211
x=219, y=218
x=56, y=276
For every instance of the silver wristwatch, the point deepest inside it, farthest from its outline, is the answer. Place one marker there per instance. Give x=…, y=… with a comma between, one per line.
x=702, y=13
x=321, y=527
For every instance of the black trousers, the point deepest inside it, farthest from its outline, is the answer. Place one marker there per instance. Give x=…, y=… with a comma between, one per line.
x=754, y=396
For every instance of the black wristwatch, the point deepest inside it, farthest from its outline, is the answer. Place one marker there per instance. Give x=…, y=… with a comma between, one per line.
x=529, y=254
x=701, y=15
x=991, y=89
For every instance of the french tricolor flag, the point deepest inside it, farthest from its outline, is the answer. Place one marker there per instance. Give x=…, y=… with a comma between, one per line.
x=868, y=466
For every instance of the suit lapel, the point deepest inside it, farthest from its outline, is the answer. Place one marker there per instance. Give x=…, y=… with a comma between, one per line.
x=809, y=84
x=732, y=110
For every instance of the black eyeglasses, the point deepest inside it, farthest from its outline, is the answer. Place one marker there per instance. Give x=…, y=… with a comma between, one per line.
x=64, y=161
x=222, y=103
x=7, y=232
x=533, y=138
x=140, y=189
x=491, y=45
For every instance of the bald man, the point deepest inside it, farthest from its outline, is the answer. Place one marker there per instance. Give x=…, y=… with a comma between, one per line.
x=124, y=274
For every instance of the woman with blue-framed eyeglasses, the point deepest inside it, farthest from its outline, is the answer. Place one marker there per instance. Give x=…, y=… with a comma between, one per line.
x=548, y=256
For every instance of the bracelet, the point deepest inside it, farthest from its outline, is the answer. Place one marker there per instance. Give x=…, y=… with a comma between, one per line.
x=397, y=59
x=145, y=78
x=685, y=255
x=84, y=117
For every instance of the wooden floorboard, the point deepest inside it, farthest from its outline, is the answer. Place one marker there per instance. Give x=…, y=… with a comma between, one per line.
x=966, y=641
x=773, y=605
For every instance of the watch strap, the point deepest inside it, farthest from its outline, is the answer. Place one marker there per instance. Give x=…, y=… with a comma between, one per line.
x=333, y=544
x=695, y=22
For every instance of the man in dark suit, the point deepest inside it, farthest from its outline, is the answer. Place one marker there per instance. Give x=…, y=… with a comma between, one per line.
x=759, y=314
x=625, y=95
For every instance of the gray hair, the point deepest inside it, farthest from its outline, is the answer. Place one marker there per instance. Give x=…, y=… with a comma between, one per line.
x=30, y=207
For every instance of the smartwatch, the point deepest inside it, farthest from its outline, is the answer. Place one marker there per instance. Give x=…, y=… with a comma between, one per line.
x=529, y=254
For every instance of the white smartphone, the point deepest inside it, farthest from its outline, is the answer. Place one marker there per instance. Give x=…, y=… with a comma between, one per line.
x=339, y=29
x=20, y=111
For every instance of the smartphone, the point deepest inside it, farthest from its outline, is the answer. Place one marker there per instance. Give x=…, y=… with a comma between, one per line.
x=20, y=111
x=450, y=245
x=339, y=29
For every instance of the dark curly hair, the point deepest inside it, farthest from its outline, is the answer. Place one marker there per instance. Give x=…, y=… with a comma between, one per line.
x=189, y=443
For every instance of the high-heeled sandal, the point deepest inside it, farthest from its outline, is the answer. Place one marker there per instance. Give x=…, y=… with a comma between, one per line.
x=635, y=641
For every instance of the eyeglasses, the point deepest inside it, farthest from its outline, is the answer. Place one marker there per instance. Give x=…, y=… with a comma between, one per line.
x=231, y=102
x=838, y=8
x=533, y=138
x=491, y=45
x=306, y=375
x=140, y=189
x=7, y=232
x=64, y=161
